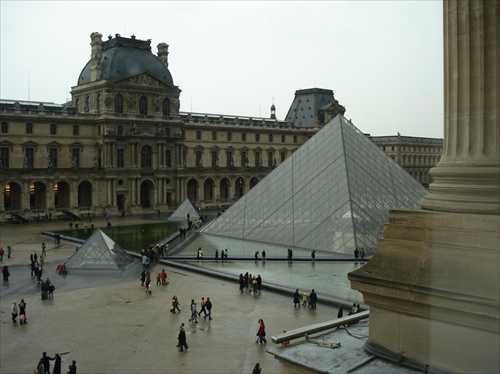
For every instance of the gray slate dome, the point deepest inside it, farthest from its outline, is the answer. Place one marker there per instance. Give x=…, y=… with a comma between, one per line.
x=125, y=57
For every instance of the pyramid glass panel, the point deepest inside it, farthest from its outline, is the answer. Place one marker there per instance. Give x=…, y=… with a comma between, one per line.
x=333, y=194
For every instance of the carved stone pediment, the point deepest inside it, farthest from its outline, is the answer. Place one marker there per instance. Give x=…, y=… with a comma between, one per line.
x=144, y=79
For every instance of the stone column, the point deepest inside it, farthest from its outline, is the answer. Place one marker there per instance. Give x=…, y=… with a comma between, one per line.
x=467, y=179
x=432, y=285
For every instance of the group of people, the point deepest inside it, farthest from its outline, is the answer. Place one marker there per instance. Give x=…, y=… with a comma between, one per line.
x=2, y=252
x=359, y=254
x=223, y=254
x=264, y=254
x=206, y=309
x=306, y=300
x=43, y=365
x=153, y=253
x=19, y=310
x=249, y=282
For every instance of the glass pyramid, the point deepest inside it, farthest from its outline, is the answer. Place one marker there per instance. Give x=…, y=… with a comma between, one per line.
x=183, y=210
x=99, y=252
x=333, y=194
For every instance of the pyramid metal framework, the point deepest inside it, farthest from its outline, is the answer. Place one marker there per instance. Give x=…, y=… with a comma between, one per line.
x=183, y=210
x=333, y=194
x=100, y=252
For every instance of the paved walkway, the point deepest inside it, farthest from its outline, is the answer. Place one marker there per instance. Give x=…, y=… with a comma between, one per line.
x=108, y=324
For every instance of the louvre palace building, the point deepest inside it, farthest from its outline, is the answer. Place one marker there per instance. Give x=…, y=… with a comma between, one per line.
x=122, y=145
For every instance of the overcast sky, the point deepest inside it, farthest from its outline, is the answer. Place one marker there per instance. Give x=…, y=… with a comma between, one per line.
x=382, y=59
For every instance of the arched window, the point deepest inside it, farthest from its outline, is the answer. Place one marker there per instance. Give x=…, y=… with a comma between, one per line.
x=166, y=107
x=119, y=103
x=143, y=105
x=146, y=157
x=87, y=104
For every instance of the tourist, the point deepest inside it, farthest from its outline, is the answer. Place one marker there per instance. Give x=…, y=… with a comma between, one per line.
x=314, y=298
x=296, y=301
x=203, y=308
x=1, y=254
x=148, y=283
x=9, y=251
x=72, y=368
x=143, y=278
x=362, y=254
x=175, y=304
x=256, y=256
x=354, y=309
x=356, y=254
x=5, y=273
x=182, y=343
x=261, y=333
x=13, y=311
x=194, y=312
x=22, y=312
x=158, y=278
x=256, y=369
x=208, y=306
x=44, y=252
x=164, y=279
x=263, y=255
x=313, y=256
x=57, y=364
x=216, y=255
x=46, y=362
x=340, y=313
x=259, y=282
x=304, y=299
x=199, y=256
x=242, y=283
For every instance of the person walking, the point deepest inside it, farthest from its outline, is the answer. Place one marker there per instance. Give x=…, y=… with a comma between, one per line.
x=203, y=309
x=2, y=252
x=356, y=254
x=182, y=343
x=175, y=304
x=362, y=254
x=9, y=251
x=313, y=256
x=208, y=306
x=296, y=300
x=261, y=333
x=194, y=312
x=14, y=311
x=242, y=283
x=44, y=252
x=264, y=255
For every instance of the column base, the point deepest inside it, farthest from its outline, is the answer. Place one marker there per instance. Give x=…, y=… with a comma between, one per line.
x=433, y=290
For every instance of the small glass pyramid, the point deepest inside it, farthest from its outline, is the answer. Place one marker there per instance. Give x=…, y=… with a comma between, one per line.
x=99, y=252
x=183, y=210
x=333, y=194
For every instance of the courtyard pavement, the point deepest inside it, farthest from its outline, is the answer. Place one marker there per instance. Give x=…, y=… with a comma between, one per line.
x=108, y=324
